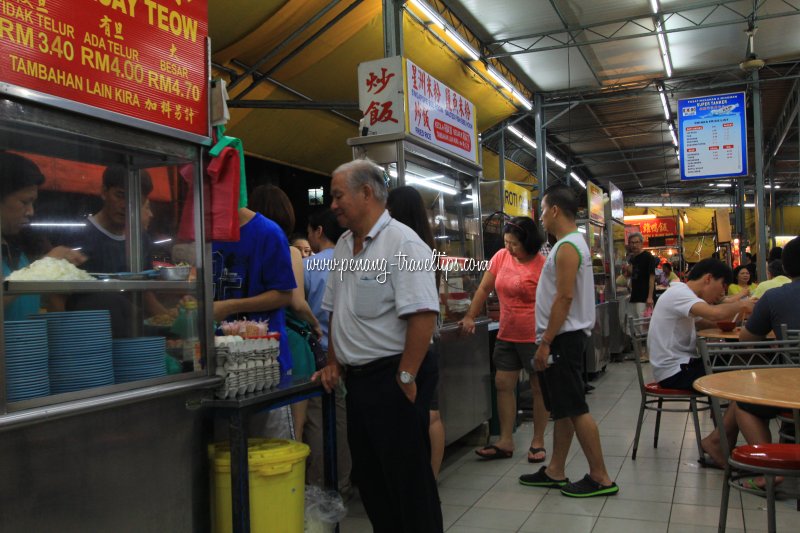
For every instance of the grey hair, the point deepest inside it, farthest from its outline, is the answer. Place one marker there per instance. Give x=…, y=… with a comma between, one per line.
x=636, y=235
x=361, y=172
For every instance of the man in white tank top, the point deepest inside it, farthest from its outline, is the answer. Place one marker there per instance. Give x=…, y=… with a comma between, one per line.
x=565, y=315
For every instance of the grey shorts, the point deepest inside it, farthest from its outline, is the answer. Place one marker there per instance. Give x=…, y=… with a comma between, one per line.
x=513, y=356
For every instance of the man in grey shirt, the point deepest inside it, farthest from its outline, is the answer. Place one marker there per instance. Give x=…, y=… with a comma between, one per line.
x=383, y=315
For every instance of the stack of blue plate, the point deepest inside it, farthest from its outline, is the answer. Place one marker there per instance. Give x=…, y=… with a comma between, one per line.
x=27, y=375
x=80, y=350
x=139, y=358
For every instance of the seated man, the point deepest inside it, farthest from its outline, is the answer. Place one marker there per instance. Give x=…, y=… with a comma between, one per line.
x=775, y=307
x=775, y=278
x=671, y=338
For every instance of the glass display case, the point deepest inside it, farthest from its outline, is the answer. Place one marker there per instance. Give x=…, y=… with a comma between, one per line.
x=118, y=203
x=451, y=213
x=595, y=237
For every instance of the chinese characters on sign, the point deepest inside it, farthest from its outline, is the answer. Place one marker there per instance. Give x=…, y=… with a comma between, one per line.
x=144, y=59
x=713, y=136
x=656, y=227
x=440, y=115
x=380, y=96
x=424, y=107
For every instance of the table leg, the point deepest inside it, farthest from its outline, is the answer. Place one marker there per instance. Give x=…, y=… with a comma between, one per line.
x=329, y=440
x=240, y=474
x=329, y=443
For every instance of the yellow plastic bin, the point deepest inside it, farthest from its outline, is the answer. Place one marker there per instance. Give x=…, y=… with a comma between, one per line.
x=277, y=485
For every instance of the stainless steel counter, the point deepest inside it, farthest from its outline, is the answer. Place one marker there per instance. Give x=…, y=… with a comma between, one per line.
x=464, y=379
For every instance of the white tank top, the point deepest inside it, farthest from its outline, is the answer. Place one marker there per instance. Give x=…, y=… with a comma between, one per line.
x=581, y=314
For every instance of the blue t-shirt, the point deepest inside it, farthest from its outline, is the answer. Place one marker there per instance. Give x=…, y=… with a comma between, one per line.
x=777, y=306
x=23, y=305
x=258, y=262
x=317, y=267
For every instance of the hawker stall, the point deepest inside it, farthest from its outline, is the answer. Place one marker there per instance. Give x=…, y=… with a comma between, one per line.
x=106, y=316
x=423, y=134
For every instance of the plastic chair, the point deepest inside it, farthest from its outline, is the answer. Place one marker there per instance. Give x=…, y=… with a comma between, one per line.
x=654, y=395
x=768, y=460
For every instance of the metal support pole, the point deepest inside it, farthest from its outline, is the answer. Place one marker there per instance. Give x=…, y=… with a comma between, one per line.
x=392, y=28
x=758, y=133
x=501, y=151
x=738, y=215
x=773, y=212
x=541, y=159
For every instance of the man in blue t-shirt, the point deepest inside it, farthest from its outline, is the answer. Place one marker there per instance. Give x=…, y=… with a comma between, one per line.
x=323, y=232
x=253, y=277
x=777, y=306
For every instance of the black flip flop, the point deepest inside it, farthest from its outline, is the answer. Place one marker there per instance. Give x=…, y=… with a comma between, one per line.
x=498, y=453
x=534, y=451
x=709, y=463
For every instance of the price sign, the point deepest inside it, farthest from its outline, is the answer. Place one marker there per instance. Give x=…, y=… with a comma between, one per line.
x=713, y=136
x=139, y=59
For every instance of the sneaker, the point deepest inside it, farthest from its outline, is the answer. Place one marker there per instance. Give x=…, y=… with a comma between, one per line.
x=587, y=487
x=541, y=479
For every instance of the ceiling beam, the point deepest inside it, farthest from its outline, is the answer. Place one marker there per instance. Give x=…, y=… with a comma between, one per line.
x=644, y=23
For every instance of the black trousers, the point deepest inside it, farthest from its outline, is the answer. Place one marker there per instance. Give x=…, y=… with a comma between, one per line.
x=391, y=449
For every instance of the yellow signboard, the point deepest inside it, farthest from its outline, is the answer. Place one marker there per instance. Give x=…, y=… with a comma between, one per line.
x=516, y=200
x=595, y=195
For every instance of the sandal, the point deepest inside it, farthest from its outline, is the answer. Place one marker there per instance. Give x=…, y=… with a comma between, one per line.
x=708, y=462
x=534, y=451
x=541, y=479
x=498, y=453
x=587, y=488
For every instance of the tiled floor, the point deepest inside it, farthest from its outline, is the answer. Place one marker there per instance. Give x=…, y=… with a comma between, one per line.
x=663, y=491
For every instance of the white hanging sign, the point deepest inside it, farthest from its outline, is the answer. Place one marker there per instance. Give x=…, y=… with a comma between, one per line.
x=439, y=114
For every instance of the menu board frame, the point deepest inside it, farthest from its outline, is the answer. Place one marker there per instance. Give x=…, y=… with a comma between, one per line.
x=702, y=145
x=143, y=64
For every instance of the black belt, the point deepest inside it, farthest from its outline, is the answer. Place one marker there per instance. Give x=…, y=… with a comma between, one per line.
x=374, y=366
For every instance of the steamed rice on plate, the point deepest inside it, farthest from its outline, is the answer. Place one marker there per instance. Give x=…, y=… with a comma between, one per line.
x=50, y=269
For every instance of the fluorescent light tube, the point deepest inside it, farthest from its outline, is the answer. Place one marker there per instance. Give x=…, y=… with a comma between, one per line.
x=724, y=185
x=522, y=136
x=461, y=42
x=59, y=224
x=578, y=179
x=749, y=205
x=446, y=189
x=521, y=99
x=429, y=12
x=648, y=204
x=515, y=131
x=678, y=204
x=716, y=205
x=499, y=79
x=649, y=216
x=667, y=114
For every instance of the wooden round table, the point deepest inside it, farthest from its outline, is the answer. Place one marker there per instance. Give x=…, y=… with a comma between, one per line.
x=764, y=386
x=716, y=333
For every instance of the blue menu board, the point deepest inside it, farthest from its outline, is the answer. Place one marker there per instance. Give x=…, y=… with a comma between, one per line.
x=713, y=136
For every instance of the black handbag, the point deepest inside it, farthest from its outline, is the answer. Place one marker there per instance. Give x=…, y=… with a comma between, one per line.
x=303, y=328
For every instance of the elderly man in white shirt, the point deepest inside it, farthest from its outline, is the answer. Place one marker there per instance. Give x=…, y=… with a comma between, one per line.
x=384, y=305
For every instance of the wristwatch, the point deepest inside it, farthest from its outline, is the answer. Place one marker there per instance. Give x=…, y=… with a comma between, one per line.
x=407, y=378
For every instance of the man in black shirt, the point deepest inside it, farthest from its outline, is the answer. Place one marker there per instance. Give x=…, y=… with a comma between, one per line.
x=104, y=241
x=643, y=277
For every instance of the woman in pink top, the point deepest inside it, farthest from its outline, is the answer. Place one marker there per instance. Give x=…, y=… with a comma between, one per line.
x=514, y=274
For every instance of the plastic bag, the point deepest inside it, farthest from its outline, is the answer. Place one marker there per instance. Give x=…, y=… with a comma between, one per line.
x=324, y=508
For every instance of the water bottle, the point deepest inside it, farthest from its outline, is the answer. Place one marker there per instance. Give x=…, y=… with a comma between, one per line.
x=191, y=339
